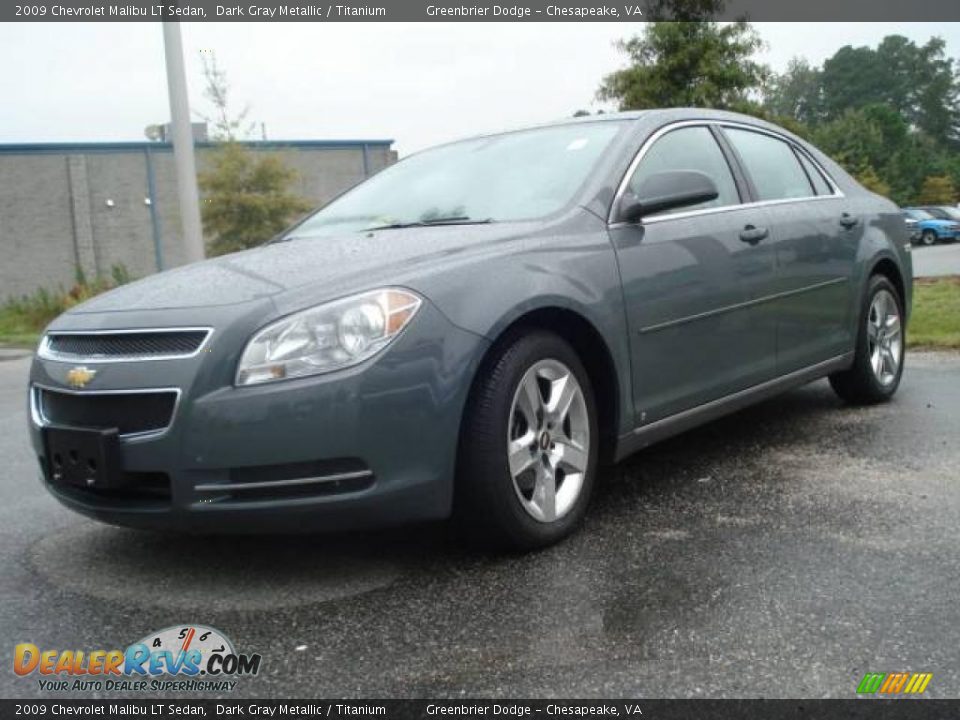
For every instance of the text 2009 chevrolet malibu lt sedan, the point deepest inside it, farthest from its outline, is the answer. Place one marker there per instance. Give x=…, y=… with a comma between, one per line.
x=475, y=330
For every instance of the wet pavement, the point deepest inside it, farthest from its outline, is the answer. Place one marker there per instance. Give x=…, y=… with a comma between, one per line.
x=780, y=552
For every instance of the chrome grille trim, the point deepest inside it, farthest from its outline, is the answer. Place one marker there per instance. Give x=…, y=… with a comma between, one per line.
x=292, y=482
x=46, y=352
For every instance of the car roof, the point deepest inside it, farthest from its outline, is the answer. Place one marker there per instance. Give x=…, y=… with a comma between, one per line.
x=674, y=114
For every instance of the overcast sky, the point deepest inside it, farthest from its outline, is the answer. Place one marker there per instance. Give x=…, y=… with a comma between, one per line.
x=418, y=84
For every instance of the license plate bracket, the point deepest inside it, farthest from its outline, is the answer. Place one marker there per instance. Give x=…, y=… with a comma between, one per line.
x=88, y=458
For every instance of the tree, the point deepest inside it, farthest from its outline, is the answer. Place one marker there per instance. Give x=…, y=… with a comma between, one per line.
x=917, y=82
x=851, y=78
x=937, y=97
x=937, y=190
x=796, y=93
x=854, y=140
x=695, y=62
x=246, y=198
x=246, y=201
x=227, y=123
x=871, y=181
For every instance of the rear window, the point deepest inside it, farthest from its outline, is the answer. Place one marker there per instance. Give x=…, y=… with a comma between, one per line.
x=771, y=164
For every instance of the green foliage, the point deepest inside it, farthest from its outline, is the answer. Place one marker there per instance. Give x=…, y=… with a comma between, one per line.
x=853, y=140
x=890, y=115
x=937, y=190
x=22, y=319
x=796, y=93
x=246, y=199
x=871, y=181
x=935, y=321
x=695, y=63
x=917, y=82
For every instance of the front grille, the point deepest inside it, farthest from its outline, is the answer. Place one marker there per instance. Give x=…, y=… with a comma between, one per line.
x=134, y=412
x=123, y=345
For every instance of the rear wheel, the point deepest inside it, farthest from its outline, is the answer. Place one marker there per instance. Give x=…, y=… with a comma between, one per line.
x=528, y=448
x=878, y=362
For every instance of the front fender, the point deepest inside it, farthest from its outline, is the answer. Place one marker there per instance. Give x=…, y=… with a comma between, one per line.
x=574, y=269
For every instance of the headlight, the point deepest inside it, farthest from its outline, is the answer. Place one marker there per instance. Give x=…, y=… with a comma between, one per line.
x=327, y=337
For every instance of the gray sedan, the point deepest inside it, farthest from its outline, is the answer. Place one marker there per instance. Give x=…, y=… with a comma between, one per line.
x=475, y=330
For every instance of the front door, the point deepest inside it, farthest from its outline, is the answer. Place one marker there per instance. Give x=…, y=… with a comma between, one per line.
x=692, y=279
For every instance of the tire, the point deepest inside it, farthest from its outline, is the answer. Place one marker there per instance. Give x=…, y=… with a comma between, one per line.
x=497, y=503
x=874, y=376
x=928, y=237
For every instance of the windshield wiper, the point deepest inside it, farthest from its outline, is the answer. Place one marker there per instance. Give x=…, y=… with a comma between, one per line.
x=452, y=220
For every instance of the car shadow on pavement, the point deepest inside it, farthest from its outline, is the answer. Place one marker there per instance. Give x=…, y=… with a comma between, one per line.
x=257, y=571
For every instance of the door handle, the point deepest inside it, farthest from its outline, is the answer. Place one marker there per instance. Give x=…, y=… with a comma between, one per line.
x=848, y=221
x=752, y=234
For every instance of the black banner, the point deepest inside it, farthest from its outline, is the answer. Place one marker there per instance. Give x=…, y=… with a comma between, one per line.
x=464, y=11
x=503, y=709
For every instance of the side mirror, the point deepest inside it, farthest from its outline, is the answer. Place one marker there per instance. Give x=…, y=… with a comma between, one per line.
x=667, y=191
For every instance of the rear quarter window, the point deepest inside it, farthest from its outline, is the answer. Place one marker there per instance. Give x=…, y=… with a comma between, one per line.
x=816, y=177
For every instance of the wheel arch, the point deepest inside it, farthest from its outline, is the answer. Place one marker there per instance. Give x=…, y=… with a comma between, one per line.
x=886, y=266
x=592, y=349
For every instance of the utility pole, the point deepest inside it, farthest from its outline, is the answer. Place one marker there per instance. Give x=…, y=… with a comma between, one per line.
x=183, y=143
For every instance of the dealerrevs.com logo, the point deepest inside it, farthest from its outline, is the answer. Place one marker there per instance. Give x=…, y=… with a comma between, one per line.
x=181, y=658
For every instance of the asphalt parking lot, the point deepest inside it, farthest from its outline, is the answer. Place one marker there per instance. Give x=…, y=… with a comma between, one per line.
x=780, y=552
x=936, y=260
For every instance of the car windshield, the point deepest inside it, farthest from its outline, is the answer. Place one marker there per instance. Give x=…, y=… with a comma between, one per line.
x=920, y=214
x=515, y=176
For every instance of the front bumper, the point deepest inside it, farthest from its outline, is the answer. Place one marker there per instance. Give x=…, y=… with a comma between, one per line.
x=369, y=446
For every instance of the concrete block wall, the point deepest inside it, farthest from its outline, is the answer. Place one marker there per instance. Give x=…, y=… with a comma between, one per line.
x=70, y=206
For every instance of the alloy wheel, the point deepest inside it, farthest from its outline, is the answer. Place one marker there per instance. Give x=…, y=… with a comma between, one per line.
x=548, y=440
x=884, y=337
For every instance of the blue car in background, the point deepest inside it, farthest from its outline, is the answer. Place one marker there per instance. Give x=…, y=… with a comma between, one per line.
x=931, y=229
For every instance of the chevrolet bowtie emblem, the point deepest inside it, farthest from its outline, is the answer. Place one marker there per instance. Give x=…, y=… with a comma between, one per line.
x=78, y=377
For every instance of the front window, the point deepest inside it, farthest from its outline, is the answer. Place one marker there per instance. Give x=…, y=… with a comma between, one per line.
x=514, y=176
x=689, y=148
x=919, y=214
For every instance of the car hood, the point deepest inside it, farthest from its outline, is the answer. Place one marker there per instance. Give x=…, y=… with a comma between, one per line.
x=939, y=223
x=326, y=264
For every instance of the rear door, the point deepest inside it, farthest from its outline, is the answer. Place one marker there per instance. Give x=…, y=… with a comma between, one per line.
x=815, y=232
x=690, y=278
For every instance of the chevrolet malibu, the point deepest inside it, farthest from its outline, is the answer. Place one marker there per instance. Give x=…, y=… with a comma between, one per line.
x=475, y=330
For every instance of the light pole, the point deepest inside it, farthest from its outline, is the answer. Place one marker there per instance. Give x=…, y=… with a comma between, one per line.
x=183, y=143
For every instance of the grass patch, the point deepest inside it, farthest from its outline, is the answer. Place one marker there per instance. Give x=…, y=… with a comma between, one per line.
x=23, y=319
x=935, y=322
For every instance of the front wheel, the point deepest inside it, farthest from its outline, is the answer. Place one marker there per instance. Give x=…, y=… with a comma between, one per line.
x=878, y=362
x=929, y=237
x=529, y=445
